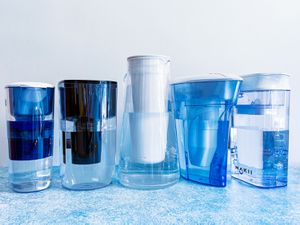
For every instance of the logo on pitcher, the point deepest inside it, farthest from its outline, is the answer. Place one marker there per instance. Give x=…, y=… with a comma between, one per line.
x=243, y=170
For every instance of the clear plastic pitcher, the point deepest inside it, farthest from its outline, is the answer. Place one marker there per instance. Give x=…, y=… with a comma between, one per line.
x=260, y=134
x=148, y=153
x=203, y=107
x=30, y=135
x=88, y=133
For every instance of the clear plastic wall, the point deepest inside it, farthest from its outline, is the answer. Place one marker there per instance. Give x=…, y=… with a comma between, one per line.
x=260, y=134
x=148, y=151
x=30, y=135
x=202, y=109
x=88, y=132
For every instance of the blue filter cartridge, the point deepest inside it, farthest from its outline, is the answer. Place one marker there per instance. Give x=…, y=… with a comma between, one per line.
x=202, y=108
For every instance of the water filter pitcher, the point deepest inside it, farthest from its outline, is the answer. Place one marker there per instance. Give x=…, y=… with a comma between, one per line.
x=260, y=134
x=88, y=133
x=203, y=106
x=30, y=124
x=148, y=153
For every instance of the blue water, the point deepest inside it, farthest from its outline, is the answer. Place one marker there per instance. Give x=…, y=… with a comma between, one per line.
x=218, y=167
x=30, y=152
x=205, y=145
x=276, y=145
x=30, y=140
x=275, y=161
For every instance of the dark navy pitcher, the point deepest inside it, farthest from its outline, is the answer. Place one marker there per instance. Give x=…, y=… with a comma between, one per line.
x=88, y=133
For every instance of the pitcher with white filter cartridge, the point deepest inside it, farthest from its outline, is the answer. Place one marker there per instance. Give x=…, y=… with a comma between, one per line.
x=148, y=153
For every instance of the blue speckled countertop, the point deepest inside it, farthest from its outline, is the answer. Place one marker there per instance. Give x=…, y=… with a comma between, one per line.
x=183, y=203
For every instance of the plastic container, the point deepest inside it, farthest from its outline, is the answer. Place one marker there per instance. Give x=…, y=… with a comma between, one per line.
x=260, y=134
x=30, y=135
x=88, y=133
x=203, y=106
x=148, y=153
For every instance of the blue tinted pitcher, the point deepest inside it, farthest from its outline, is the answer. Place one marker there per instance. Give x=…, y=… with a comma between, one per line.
x=203, y=106
x=30, y=135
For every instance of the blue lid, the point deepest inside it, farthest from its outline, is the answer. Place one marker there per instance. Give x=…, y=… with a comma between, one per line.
x=212, y=89
x=30, y=98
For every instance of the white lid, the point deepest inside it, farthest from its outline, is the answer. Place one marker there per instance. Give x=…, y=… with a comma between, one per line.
x=29, y=84
x=147, y=57
x=203, y=78
x=265, y=81
x=149, y=64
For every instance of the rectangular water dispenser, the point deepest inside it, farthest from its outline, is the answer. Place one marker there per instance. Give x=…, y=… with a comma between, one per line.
x=260, y=133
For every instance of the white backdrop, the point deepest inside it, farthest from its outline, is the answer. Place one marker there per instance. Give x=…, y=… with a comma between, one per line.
x=52, y=40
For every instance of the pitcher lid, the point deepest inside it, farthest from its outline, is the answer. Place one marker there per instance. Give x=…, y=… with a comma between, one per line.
x=145, y=57
x=29, y=85
x=206, y=78
x=266, y=81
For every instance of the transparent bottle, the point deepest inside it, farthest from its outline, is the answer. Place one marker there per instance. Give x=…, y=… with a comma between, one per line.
x=88, y=133
x=30, y=135
x=203, y=106
x=260, y=133
x=148, y=151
